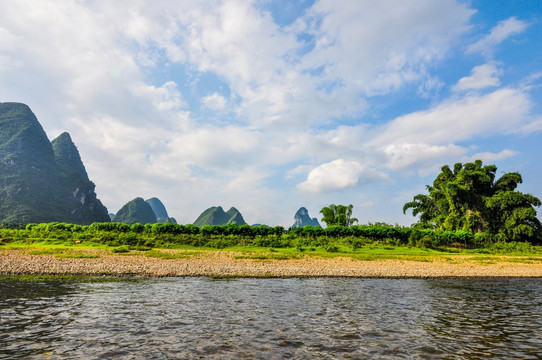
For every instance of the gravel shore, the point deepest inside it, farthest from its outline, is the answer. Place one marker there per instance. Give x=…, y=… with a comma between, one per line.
x=220, y=263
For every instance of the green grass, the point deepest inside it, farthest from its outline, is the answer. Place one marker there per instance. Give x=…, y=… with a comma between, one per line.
x=369, y=252
x=61, y=252
x=52, y=244
x=380, y=252
x=526, y=260
x=121, y=250
x=168, y=255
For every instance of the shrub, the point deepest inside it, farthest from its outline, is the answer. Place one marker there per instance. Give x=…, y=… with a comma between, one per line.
x=512, y=247
x=331, y=248
x=137, y=228
x=121, y=249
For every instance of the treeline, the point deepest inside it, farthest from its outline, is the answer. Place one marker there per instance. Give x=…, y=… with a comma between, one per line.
x=221, y=236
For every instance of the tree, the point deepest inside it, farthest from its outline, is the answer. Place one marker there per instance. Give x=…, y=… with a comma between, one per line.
x=469, y=198
x=338, y=215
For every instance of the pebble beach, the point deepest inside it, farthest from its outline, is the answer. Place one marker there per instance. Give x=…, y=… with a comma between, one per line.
x=231, y=264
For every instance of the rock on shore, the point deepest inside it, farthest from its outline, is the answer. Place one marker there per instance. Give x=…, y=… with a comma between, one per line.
x=220, y=263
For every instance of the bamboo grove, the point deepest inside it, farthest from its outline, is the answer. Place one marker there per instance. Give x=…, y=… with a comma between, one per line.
x=470, y=198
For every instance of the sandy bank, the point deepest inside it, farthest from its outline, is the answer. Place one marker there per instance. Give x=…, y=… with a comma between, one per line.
x=217, y=263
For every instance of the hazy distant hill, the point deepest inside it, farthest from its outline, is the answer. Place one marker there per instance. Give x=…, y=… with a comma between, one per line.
x=302, y=218
x=216, y=216
x=160, y=211
x=135, y=211
x=42, y=181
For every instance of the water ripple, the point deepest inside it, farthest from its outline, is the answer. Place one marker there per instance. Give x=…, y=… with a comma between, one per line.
x=272, y=319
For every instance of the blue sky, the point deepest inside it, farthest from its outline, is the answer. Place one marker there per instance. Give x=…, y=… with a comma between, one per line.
x=273, y=105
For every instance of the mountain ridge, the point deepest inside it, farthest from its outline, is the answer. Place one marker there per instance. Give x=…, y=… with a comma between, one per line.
x=135, y=211
x=42, y=181
x=215, y=215
x=302, y=218
x=160, y=211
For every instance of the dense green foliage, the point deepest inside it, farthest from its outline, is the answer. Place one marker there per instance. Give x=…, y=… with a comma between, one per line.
x=41, y=181
x=135, y=211
x=338, y=215
x=220, y=236
x=471, y=199
x=216, y=216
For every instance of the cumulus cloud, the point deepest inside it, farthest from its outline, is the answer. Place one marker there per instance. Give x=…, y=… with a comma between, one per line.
x=354, y=50
x=500, y=111
x=481, y=77
x=487, y=156
x=340, y=174
x=404, y=156
x=214, y=101
x=502, y=31
x=128, y=80
x=379, y=46
x=164, y=98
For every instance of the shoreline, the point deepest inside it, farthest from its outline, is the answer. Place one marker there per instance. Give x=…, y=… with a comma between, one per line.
x=230, y=264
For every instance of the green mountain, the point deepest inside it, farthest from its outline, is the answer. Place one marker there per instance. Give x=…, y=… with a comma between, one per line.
x=235, y=217
x=160, y=211
x=42, y=181
x=216, y=216
x=302, y=218
x=135, y=211
x=82, y=201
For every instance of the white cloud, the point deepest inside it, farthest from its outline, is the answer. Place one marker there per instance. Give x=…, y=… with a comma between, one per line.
x=378, y=46
x=502, y=31
x=404, y=156
x=340, y=174
x=499, y=112
x=164, y=98
x=487, y=156
x=9, y=64
x=421, y=141
x=214, y=101
x=268, y=68
x=8, y=42
x=532, y=127
x=258, y=60
x=481, y=77
x=127, y=80
x=226, y=149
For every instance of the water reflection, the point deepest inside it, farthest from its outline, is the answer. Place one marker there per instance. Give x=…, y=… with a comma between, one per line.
x=272, y=318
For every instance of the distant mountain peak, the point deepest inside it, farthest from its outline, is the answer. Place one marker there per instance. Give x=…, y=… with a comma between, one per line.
x=67, y=156
x=135, y=211
x=302, y=218
x=160, y=211
x=42, y=181
x=215, y=215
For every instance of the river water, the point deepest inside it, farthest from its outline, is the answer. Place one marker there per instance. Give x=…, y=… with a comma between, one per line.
x=327, y=318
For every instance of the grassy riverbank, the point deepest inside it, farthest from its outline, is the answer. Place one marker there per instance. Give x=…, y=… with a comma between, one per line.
x=375, y=260
x=223, y=251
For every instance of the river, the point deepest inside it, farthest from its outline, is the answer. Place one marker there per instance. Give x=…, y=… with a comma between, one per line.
x=326, y=318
